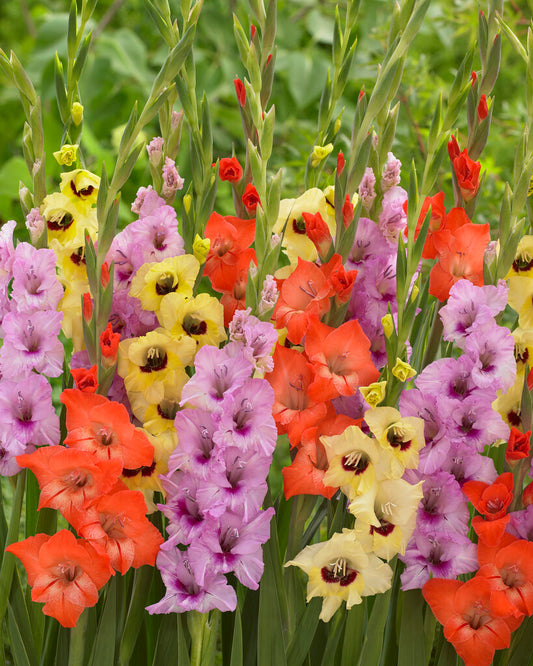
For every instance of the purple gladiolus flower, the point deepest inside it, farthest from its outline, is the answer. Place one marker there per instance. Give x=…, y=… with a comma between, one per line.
x=443, y=506
x=184, y=593
x=491, y=347
x=26, y=411
x=31, y=343
x=35, y=284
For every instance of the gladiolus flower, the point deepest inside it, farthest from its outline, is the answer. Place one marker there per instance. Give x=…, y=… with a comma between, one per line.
x=492, y=500
x=469, y=625
x=230, y=169
x=85, y=379
x=518, y=446
x=460, y=256
x=64, y=572
x=250, y=198
x=467, y=174
x=318, y=232
x=109, y=346
x=103, y=428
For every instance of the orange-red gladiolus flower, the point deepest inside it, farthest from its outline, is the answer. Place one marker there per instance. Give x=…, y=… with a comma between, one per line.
x=230, y=169
x=229, y=236
x=109, y=346
x=116, y=524
x=492, y=500
x=518, y=445
x=467, y=174
x=85, y=379
x=342, y=282
x=103, y=427
x=469, y=625
x=293, y=410
x=250, y=198
x=341, y=359
x=510, y=574
x=440, y=221
x=304, y=293
x=70, y=479
x=65, y=573
x=318, y=232
x=460, y=256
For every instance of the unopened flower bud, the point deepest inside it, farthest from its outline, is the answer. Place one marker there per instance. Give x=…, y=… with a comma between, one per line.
x=320, y=153
x=388, y=325
x=403, y=371
x=373, y=393
x=77, y=113
x=200, y=247
x=67, y=155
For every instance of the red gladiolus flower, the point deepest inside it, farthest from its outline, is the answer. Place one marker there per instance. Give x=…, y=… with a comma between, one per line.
x=103, y=428
x=304, y=477
x=304, y=293
x=70, y=479
x=469, y=625
x=340, y=357
x=437, y=222
x=230, y=169
x=64, y=572
x=109, y=346
x=490, y=532
x=241, y=91
x=482, y=109
x=518, y=445
x=342, y=282
x=467, y=174
x=229, y=236
x=250, y=198
x=492, y=499
x=293, y=410
x=460, y=256
x=85, y=379
x=510, y=574
x=116, y=524
x=104, y=275
x=233, y=285
x=453, y=148
x=318, y=232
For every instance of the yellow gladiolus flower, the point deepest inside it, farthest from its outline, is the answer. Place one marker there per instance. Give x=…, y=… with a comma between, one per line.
x=81, y=186
x=523, y=262
x=202, y=318
x=340, y=570
x=402, y=370
x=153, y=281
x=65, y=221
x=67, y=155
x=373, y=393
x=320, y=153
x=200, y=248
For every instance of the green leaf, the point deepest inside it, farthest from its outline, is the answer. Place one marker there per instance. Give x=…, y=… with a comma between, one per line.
x=304, y=633
x=134, y=620
x=373, y=642
x=171, y=642
x=8, y=561
x=520, y=649
x=236, y=647
x=104, y=646
x=411, y=648
x=17, y=643
x=270, y=639
x=353, y=635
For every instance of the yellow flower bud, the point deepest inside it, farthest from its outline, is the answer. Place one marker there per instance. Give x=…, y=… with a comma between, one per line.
x=187, y=200
x=67, y=155
x=320, y=153
x=403, y=371
x=373, y=393
x=337, y=126
x=200, y=247
x=388, y=325
x=414, y=293
x=77, y=113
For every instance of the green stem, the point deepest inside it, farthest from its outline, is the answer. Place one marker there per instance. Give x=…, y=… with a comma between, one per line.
x=435, y=337
x=301, y=509
x=77, y=641
x=197, y=624
x=8, y=562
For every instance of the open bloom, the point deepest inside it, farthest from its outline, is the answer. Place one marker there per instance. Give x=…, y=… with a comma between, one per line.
x=64, y=572
x=339, y=570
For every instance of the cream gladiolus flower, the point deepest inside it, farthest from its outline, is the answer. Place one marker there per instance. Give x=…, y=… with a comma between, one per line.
x=340, y=570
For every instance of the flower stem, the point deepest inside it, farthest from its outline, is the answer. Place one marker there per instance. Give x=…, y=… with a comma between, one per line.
x=77, y=641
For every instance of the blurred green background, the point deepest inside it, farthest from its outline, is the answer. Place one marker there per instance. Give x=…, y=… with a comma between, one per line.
x=127, y=51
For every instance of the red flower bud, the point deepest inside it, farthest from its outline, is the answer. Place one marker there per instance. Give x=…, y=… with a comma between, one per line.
x=109, y=346
x=252, y=30
x=473, y=77
x=482, y=109
x=250, y=198
x=317, y=230
x=347, y=212
x=340, y=163
x=342, y=282
x=467, y=174
x=240, y=90
x=230, y=169
x=453, y=148
x=517, y=446
x=104, y=275
x=87, y=308
x=85, y=379
x=361, y=94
